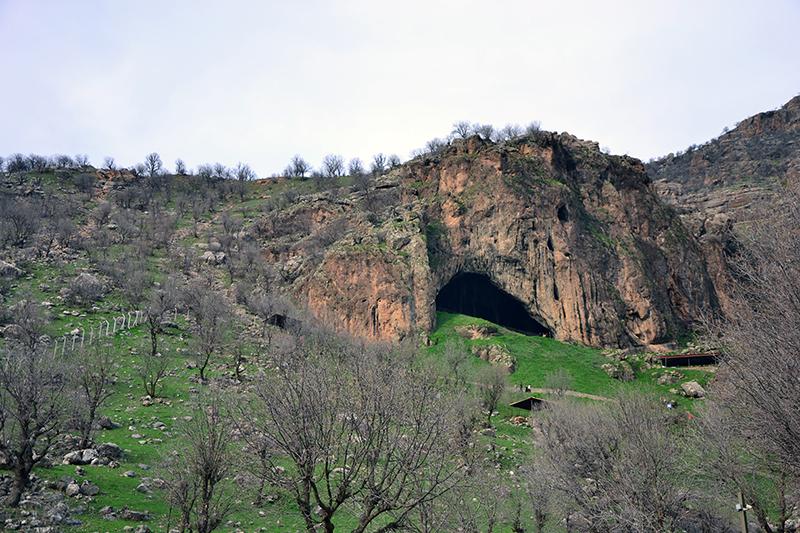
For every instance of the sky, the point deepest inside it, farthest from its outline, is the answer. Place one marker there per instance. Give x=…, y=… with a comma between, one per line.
x=260, y=81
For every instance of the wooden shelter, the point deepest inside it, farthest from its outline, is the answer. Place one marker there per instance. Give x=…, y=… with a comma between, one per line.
x=531, y=403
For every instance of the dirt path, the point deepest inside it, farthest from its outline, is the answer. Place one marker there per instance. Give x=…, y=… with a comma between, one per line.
x=574, y=394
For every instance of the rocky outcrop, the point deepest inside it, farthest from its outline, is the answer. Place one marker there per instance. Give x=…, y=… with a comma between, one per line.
x=719, y=186
x=577, y=236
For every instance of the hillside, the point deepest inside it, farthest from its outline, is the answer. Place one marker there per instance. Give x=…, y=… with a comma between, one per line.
x=578, y=237
x=718, y=186
x=90, y=248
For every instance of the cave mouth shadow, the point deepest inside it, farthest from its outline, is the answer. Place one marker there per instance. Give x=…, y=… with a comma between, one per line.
x=475, y=295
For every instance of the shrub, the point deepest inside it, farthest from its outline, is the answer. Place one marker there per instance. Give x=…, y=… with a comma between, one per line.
x=84, y=289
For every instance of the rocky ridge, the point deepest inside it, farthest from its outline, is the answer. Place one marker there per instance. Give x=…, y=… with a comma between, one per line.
x=579, y=237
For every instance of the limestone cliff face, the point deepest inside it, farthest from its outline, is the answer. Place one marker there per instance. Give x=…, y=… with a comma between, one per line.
x=578, y=237
x=719, y=186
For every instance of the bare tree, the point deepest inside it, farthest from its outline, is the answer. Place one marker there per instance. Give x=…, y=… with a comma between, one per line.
x=16, y=163
x=153, y=164
x=485, y=131
x=93, y=373
x=760, y=334
x=492, y=383
x=243, y=174
x=378, y=164
x=456, y=358
x=19, y=220
x=508, y=132
x=361, y=428
x=199, y=477
x=332, y=166
x=618, y=466
x=154, y=363
x=211, y=315
x=33, y=398
x=180, y=167
x=82, y=160
x=298, y=167
x=393, y=161
x=355, y=167
x=732, y=459
x=533, y=128
x=109, y=163
x=559, y=381
x=461, y=129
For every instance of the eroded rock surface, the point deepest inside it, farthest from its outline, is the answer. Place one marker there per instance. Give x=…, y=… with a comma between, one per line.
x=578, y=237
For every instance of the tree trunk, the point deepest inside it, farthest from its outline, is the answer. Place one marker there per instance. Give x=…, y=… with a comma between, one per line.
x=22, y=473
x=86, y=434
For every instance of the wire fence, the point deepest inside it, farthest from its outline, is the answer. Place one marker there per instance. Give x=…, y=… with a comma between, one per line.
x=80, y=338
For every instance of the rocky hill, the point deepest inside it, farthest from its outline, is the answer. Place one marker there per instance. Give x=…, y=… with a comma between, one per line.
x=719, y=186
x=580, y=238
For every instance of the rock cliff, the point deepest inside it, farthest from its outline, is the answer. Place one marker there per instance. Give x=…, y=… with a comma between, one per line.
x=578, y=237
x=719, y=186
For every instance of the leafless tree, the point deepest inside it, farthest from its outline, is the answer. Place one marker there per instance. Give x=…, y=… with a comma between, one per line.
x=559, y=381
x=19, y=221
x=211, y=316
x=82, y=160
x=378, y=164
x=362, y=428
x=243, y=174
x=533, y=128
x=508, y=132
x=332, y=166
x=37, y=163
x=456, y=358
x=492, y=383
x=485, y=131
x=355, y=167
x=199, y=476
x=63, y=161
x=109, y=163
x=154, y=363
x=33, y=398
x=461, y=129
x=393, y=161
x=619, y=466
x=153, y=164
x=93, y=374
x=760, y=335
x=16, y=163
x=298, y=167
x=180, y=167
x=732, y=461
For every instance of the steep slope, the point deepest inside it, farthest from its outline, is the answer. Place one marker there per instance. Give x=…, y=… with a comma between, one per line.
x=724, y=183
x=578, y=237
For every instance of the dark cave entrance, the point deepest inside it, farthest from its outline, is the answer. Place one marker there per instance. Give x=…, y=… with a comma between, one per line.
x=476, y=295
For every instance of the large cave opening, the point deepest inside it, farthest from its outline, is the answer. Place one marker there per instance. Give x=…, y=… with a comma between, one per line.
x=475, y=295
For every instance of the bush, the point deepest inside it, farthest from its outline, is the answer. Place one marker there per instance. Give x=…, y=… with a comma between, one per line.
x=84, y=290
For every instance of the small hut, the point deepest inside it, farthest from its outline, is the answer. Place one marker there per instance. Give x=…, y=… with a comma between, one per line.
x=531, y=403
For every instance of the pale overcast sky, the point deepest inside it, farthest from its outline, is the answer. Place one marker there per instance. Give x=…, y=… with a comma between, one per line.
x=260, y=81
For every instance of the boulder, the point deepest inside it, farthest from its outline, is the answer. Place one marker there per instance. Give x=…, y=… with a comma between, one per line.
x=621, y=370
x=88, y=488
x=474, y=331
x=80, y=457
x=692, y=389
x=73, y=489
x=670, y=377
x=109, y=450
x=106, y=423
x=9, y=270
x=496, y=355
